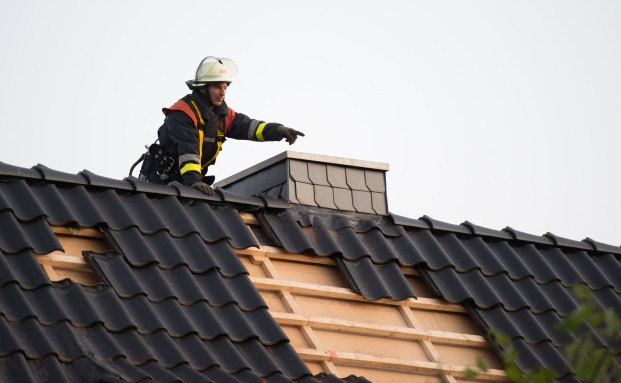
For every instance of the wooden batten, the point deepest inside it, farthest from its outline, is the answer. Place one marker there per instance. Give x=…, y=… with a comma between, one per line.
x=70, y=262
x=337, y=331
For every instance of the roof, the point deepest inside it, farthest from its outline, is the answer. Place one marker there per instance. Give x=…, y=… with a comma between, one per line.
x=511, y=281
x=176, y=305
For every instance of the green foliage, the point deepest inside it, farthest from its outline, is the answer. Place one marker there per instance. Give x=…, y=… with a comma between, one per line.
x=591, y=363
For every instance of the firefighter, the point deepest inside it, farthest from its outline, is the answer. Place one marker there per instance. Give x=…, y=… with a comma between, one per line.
x=196, y=126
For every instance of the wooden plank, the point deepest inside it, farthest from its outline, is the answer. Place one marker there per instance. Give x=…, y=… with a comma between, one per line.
x=249, y=219
x=370, y=361
x=344, y=293
x=380, y=330
x=277, y=253
x=79, y=232
x=57, y=259
x=51, y=273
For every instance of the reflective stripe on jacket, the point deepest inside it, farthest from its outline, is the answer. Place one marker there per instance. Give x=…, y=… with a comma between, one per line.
x=193, y=133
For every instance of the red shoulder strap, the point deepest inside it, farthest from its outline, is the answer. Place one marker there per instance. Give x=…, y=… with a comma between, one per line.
x=228, y=120
x=184, y=107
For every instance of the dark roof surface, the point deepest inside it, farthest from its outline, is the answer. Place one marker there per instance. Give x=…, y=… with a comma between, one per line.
x=176, y=303
x=511, y=281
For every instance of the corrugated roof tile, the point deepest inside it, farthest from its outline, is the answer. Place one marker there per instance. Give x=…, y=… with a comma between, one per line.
x=169, y=252
x=526, y=237
x=605, y=248
x=179, y=283
x=52, y=175
x=35, y=235
x=375, y=281
x=22, y=268
x=179, y=304
x=445, y=226
x=565, y=242
x=149, y=187
x=105, y=182
x=8, y=170
x=484, y=231
x=515, y=281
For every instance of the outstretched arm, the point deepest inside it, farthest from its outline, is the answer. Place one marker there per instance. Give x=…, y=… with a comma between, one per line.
x=246, y=128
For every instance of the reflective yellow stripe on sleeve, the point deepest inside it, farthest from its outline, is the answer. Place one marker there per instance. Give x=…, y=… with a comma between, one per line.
x=190, y=167
x=259, y=132
x=201, y=137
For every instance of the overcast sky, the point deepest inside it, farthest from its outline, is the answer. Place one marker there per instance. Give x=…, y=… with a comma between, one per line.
x=502, y=113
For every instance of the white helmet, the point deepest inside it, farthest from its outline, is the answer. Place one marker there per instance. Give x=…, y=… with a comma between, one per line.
x=213, y=69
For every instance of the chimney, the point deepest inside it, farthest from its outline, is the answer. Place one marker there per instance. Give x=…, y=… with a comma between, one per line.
x=316, y=180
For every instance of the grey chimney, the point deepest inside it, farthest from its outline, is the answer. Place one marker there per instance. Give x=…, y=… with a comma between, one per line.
x=316, y=180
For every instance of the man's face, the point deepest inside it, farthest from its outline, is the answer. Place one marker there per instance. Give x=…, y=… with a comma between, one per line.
x=216, y=93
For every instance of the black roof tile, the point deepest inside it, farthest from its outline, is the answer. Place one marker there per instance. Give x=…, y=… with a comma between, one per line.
x=514, y=281
x=234, y=198
x=52, y=175
x=149, y=187
x=375, y=281
x=536, y=328
x=78, y=206
x=565, y=242
x=22, y=268
x=519, y=235
x=490, y=291
x=105, y=182
x=274, y=203
x=15, y=171
x=409, y=222
x=169, y=252
x=541, y=354
x=175, y=286
x=17, y=368
x=445, y=226
x=487, y=232
x=18, y=236
x=605, y=248
x=178, y=303
x=178, y=283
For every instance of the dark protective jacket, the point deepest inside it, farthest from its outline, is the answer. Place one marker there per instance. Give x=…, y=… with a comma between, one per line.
x=193, y=134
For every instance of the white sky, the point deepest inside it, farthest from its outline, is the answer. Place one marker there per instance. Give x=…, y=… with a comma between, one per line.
x=503, y=113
